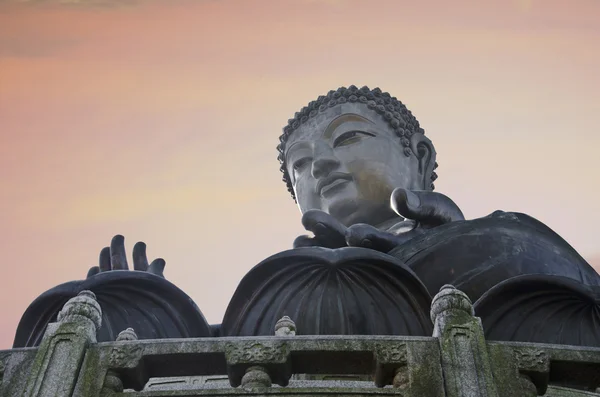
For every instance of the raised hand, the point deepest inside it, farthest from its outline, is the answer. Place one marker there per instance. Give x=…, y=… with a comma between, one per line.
x=328, y=231
x=115, y=258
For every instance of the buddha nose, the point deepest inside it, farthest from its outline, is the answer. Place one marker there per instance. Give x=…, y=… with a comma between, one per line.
x=324, y=161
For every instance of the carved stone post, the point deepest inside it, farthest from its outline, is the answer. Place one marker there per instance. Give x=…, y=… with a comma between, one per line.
x=112, y=382
x=465, y=362
x=391, y=365
x=257, y=364
x=58, y=360
x=285, y=327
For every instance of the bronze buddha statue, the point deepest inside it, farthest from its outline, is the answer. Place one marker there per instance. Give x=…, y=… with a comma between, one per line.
x=361, y=170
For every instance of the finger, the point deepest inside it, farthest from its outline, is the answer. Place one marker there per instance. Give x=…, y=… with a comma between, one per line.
x=427, y=207
x=118, y=257
x=326, y=228
x=140, y=260
x=93, y=271
x=157, y=267
x=304, y=241
x=367, y=236
x=104, y=261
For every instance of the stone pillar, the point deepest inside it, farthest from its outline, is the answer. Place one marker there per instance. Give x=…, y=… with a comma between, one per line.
x=465, y=362
x=56, y=366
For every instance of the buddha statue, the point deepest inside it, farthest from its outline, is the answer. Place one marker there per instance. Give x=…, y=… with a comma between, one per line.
x=361, y=171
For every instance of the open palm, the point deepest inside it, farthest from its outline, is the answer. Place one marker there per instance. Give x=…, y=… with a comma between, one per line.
x=115, y=258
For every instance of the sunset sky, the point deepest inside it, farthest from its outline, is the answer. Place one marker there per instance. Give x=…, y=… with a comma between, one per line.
x=159, y=119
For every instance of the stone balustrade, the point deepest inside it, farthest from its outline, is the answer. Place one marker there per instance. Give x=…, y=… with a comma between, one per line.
x=456, y=361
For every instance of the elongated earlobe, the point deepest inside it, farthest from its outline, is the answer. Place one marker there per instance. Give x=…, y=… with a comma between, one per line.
x=425, y=152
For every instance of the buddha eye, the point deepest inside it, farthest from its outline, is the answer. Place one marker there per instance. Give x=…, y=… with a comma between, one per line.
x=350, y=137
x=301, y=163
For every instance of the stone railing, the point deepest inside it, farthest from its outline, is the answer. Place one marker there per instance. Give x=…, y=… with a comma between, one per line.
x=455, y=361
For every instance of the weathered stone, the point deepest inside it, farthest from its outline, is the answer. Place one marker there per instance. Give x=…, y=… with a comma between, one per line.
x=465, y=361
x=59, y=357
x=4, y=356
x=256, y=377
x=256, y=352
x=81, y=309
x=112, y=383
x=449, y=301
x=17, y=366
x=125, y=356
x=411, y=366
x=534, y=366
x=556, y=391
x=401, y=379
x=424, y=365
x=547, y=365
x=285, y=327
x=393, y=353
x=188, y=383
x=512, y=378
x=128, y=334
x=271, y=356
x=391, y=359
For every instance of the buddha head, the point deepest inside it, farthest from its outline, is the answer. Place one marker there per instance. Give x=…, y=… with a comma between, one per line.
x=347, y=151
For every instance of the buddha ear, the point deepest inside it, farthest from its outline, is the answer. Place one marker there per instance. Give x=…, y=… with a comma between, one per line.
x=425, y=152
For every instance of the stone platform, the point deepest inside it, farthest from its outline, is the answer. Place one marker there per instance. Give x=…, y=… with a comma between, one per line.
x=455, y=361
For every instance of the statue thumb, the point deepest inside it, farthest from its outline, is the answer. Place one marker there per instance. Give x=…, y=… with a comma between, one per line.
x=426, y=207
x=406, y=203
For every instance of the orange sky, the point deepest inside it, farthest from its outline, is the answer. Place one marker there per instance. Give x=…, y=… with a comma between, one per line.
x=159, y=120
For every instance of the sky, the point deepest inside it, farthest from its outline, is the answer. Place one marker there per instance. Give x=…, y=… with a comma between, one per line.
x=159, y=120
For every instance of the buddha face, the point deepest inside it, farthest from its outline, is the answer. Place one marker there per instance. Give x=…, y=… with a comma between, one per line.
x=347, y=160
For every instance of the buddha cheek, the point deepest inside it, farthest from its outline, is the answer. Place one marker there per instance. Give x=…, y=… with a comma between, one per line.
x=306, y=196
x=373, y=183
